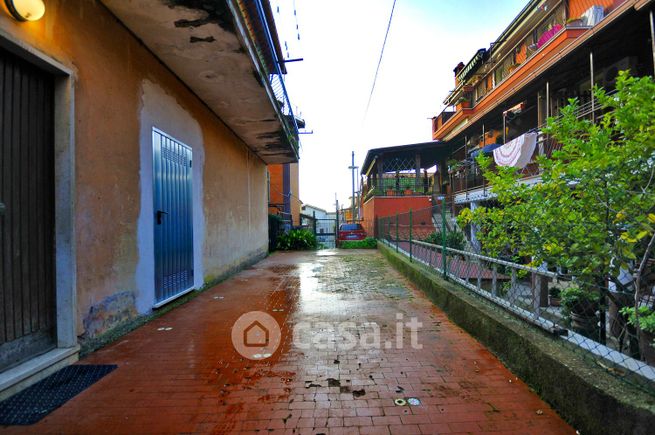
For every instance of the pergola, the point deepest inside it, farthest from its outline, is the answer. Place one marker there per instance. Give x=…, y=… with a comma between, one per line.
x=402, y=158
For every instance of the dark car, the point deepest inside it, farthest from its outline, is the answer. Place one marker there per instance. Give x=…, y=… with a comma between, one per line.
x=351, y=232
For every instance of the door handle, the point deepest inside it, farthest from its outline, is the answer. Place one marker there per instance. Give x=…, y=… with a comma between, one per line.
x=159, y=215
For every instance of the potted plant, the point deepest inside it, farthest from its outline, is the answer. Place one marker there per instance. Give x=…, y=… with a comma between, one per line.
x=454, y=166
x=579, y=306
x=554, y=294
x=464, y=103
x=645, y=324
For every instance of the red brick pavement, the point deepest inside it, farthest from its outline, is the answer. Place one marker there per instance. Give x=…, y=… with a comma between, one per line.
x=189, y=379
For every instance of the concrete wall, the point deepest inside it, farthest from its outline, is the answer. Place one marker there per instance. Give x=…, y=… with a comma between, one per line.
x=121, y=90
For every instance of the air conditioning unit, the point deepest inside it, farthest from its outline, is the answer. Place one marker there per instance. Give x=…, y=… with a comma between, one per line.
x=611, y=72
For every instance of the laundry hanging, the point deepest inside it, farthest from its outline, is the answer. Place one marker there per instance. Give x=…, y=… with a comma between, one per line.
x=517, y=152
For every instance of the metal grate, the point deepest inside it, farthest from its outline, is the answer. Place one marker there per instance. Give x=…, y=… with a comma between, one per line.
x=39, y=400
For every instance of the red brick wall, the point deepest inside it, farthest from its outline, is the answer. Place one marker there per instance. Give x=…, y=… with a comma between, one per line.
x=389, y=206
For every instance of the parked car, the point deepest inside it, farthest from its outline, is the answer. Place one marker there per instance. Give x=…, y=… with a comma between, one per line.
x=351, y=232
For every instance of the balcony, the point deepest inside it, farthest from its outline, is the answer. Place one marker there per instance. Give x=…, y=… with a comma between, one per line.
x=465, y=175
x=228, y=54
x=400, y=184
x=514, y=63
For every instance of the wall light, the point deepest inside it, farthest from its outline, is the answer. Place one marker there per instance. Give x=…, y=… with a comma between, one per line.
x=26, y=10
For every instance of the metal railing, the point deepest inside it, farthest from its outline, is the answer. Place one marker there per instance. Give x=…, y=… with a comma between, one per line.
x=252, y=12
x=399, y=185
x=530, y=293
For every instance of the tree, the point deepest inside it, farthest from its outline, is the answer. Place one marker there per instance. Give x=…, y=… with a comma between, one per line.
x=593, y=214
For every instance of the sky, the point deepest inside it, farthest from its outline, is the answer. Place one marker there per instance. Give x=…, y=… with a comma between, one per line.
x=340, y=43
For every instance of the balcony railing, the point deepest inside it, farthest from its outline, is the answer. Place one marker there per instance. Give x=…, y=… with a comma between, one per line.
x=468, y=175
x=260, y=36
x=399, y=185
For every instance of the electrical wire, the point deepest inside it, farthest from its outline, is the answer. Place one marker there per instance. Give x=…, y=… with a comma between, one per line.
x=377, y=70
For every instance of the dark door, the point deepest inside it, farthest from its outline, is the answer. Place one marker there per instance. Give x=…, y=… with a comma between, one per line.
x=27, y=277
x=173, y=217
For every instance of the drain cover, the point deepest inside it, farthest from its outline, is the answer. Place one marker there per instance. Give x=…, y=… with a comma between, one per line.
x=400, y=402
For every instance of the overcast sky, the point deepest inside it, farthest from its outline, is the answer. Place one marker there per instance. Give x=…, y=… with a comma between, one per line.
x=340, y=41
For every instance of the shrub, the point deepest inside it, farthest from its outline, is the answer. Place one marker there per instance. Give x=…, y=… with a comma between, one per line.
x=555, y=292
x=579, y=301
x=454, y=239
x=367, y=243
x=297, y=240
x=275, y=225
x=646, y=319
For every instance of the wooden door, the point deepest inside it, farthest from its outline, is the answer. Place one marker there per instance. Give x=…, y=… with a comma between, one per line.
x=27, y=274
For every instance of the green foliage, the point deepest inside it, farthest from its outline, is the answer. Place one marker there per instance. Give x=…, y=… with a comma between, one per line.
x=646, y=321
x=579, y=300
x=454, y=239
x=555, y=292
x=297, y=240
x=367, y=243
x=594, y=211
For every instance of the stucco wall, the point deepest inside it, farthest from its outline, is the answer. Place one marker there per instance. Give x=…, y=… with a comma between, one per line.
x=115, y=75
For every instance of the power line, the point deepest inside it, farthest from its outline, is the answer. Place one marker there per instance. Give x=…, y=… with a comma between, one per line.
x=377, y=70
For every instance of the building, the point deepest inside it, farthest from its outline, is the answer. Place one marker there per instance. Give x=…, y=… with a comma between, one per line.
x=398, y=179
x=283, y=190
x=312, y=212
x=322, y=223
x=551, y=52
x=139, y=135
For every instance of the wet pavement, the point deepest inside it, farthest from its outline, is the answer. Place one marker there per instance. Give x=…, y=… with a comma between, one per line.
x=353, y=365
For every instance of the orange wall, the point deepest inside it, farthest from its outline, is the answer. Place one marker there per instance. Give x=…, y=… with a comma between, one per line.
x=276, y=185
x=578, y=7
x=294, y=178
x=276, y=173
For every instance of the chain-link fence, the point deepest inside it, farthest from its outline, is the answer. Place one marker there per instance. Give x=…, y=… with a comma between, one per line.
x=597, y=327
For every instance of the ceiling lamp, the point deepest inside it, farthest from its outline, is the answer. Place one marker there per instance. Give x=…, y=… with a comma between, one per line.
x=26, y=10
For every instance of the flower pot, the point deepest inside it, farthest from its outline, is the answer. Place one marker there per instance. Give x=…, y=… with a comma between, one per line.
x=554, y=301
x=585, y=324
x=646, y=348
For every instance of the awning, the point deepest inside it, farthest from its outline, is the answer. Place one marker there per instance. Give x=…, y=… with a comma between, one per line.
x=517, y=152
x=473, y=65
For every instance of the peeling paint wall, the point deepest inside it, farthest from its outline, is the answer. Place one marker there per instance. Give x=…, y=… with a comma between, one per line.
x=117, y=84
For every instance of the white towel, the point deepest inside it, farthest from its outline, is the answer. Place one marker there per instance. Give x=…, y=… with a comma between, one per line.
x=517, y=152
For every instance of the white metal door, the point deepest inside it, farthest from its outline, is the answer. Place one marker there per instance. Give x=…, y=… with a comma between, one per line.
x=173, y=217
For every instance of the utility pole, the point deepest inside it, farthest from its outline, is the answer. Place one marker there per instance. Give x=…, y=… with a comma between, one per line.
x=336, y=223
x=353, y=168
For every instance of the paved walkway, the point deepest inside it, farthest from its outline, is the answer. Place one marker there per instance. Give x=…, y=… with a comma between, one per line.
x=189, y=379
